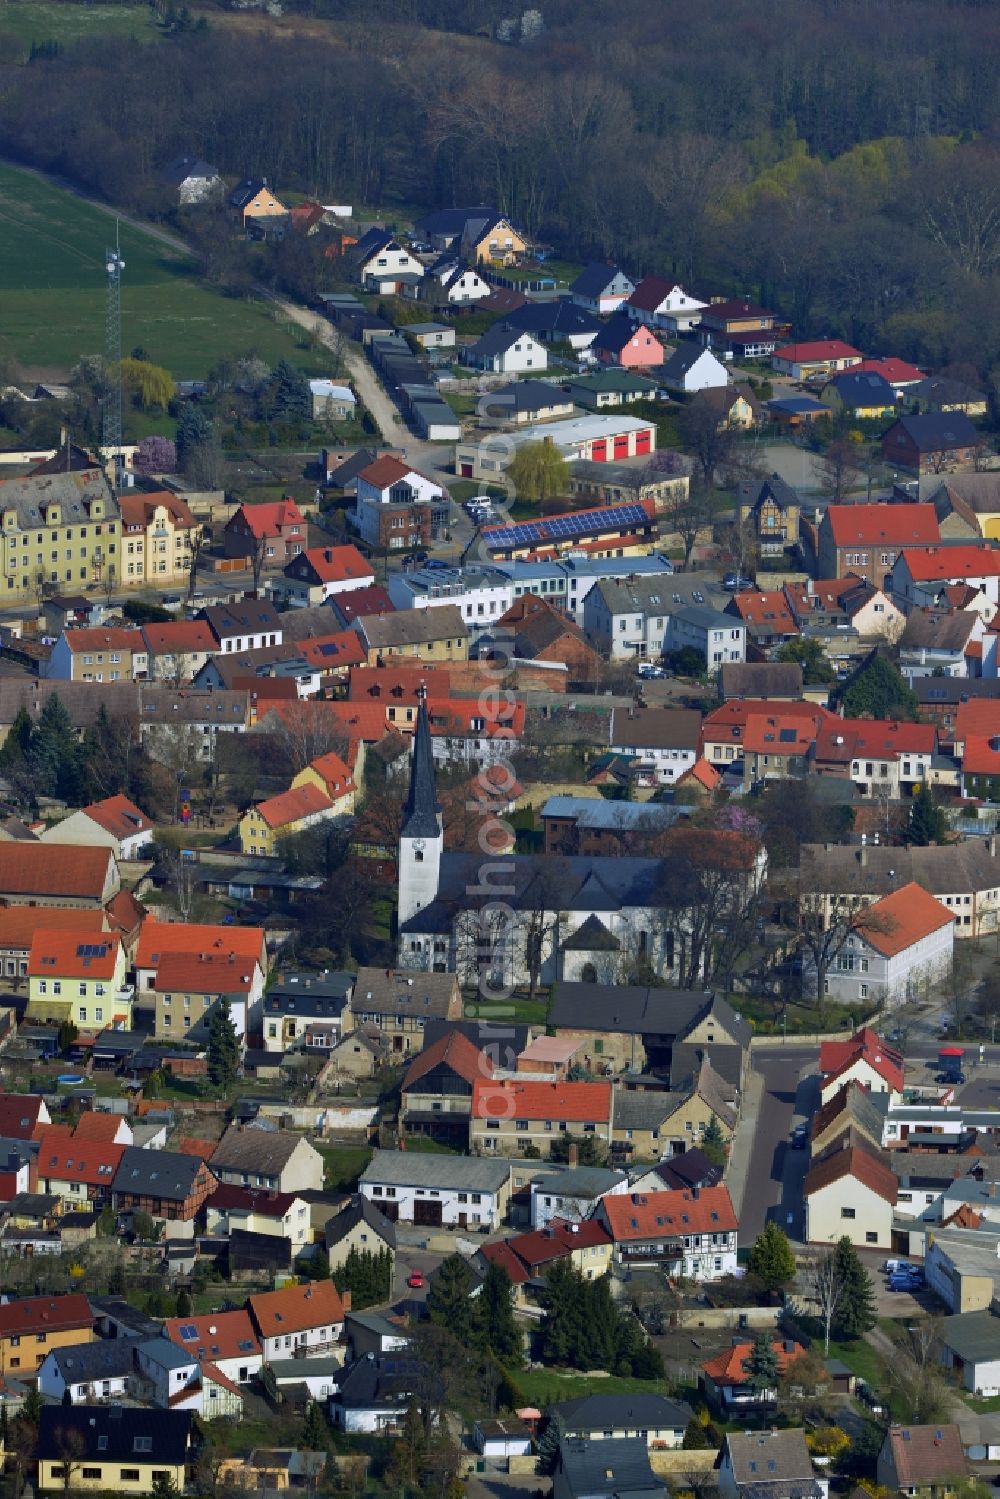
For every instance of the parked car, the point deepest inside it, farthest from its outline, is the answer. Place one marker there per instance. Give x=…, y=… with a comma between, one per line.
x=905, y=1282
x=415, y=1280
x=892, y=1267
x=647, y=670
x=734, y=582
x=436, y=564
x=868, y=1397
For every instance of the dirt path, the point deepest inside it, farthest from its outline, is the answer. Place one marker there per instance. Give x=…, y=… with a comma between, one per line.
x=373, y=397
x=165, y=237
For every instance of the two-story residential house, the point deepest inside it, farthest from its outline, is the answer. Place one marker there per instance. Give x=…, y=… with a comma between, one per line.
x=79, y=976
x=661, y=303
x=318, y=573
x=79, y=1171
x=276, y=1160
x=228, y=1340
x=166, y=1184
x=504, y=350
x=453, y=1191
x=244, y=626
x=772, y=1464
x=665, y=738
x=276, y=530
x=206, y=715
x=177, y=649
x=297, y=1000
x=850, y=1193
x=691, y=1233
x=263, y=826
x=920, y=578
x=396, y=506
x=691, y=369
x=879, y=755
x=741, y=329
x=509, y=1115
x=115, y=822
x=925, y=1461
x=383, y=264
x=904, y=946
x=866, y=539
x=771, y=508
x=933, y=443
x=160, y=938
x=31, y=1326
x=255, y=1210
x=298, y=1321
x=436, y=1091
x=601, y=288
x=253, y=199
x=98, y=654
x=188, y=987
x=158, y=532
x=626, y=344
x=398, y=1003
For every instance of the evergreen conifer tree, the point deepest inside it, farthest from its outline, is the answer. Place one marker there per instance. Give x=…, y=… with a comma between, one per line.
x=855, y=1312
x=761, y=1366
x=927, y=823
x=223, y=1047
x=771, y=1258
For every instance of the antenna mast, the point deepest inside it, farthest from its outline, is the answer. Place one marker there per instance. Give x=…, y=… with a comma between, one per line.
x=114, y=265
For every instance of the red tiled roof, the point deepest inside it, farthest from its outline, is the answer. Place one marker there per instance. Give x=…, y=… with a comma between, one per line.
x=844, y=740
x=646, y=1215
x=910, y=913
x=574, y=1102
x=836, y=1056
x=894, y=371
x=558, y=1240
x=500, y=1253
x=161, y=937
x=769, y=610
x=18, y=924
x=333, y=652
x=335, y=564
x=190, y=1145
x=204, y=973
x=735, y=309
x=452, y=1050
x=981, y=756
x=706, y=775
x=977, y=716
x=958, y=562
x=360, y=603
x=856, y=1163
x=216, y=1335
x=292, y=805
x=459, y=716
x=62, y=1157
x=335, y=774
x=45, y=1314
x=297, y=1308
x=138, y=509
x=79, y=954
x=385, y=472
x=823, y=348
x=778, y=734
x=99, y=1128
x=103, y=639
x=738, y=711
x=402, y=683
x=925, y=1457
x=19, y=1116
x=125, y=914
x=270, y=519
x=651, y=291
x=54, y=870
x=119, y=816
x=183, y=636
x=268, y=1204
x=875, y=525
x=729, y=1368
x=214, y=1375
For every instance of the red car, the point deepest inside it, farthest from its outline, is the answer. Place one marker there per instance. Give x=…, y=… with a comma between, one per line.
x=415, y=1280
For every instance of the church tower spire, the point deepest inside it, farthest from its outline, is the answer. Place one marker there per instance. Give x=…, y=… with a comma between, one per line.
x=421, y=841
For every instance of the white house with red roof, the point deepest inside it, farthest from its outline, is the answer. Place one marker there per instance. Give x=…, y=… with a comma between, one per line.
x=920, y=578
x=865, y=1059
x=661, y=303
x=395, y=504
x=115, y=823
x=317, y=573
x=690, y=1232
x=895, y=372
x=905, y=946
x=850, y=1193
x=278, y=527
x=824, y=356
x=878, y=755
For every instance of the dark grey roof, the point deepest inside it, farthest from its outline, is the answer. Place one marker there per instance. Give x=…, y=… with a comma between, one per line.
x=402, y=1168
x=248, y=617
x=941, y=389
x=632, y=1411
x=266, y=1152
x=421, y=815
x=939, y=431
x=107, y=1359
x=954, y=869
x=156, y=1173
x=502, y=1044
x=684, y=358
x=932, y=690
x=596, y=277
x=497, y=340
x=633, y=1009
x=974, y=1336
x=452, y=221
x=115, y=1434
x=246, y=191
x=754, y=492
x=351, y=467
x=608, y=1466
x=582, y=1181
x=380, y=1381
x=634, y=1110
x=184, y=167
x=615, y=334
x=524, y=395
x=360, y=1211
x=557, y=319
x=862, y=388
x=690, y=1169
x=75, y=493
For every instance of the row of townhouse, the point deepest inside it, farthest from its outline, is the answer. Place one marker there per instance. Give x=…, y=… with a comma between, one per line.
x=113, y=654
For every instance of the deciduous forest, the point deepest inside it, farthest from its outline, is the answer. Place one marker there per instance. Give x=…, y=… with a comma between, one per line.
x=836, y=159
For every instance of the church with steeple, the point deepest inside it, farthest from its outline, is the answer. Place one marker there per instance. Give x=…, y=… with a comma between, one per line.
x=509, y=920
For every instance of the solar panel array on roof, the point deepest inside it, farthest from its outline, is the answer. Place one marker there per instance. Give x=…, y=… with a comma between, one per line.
x=564, y=527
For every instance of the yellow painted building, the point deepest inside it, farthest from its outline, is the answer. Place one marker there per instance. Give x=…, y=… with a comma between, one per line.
x=78, y=976
x=157, y=532
x=292, y=811
x=496, y=241
x=60, y=529
x=31, y=1327
x=112, y=1449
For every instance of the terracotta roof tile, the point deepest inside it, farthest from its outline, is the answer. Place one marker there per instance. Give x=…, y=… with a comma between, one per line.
x=18, y=924
x=910, y=913
x=933, y=564
x=856, y=1163
x=161, y=937
x=453, y=1050
x=574, y=1102
x=216, y=1335
x=204, y=973
x=644, y=1215
x=79, y=954
x=873, y=525
x=54, y=870
x=45, y=1314
x=292, y=805
x=924, y=1455
x=119, y=816
x=729, y=1368
x=297, y=1308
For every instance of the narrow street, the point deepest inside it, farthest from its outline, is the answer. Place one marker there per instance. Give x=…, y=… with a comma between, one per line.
x=766, y=1179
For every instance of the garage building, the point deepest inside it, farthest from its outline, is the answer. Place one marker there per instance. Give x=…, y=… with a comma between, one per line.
x=437, y=1190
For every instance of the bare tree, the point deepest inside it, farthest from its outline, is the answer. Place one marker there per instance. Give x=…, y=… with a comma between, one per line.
x=710, y=440
x=827, y=1286
x=258, y=556
x=826, y=928
x=181, y=879
x=303, y=730
x=71, y=1449
x=839, y=467
x=176, y=748
x=198, y=542
x=915, y=1372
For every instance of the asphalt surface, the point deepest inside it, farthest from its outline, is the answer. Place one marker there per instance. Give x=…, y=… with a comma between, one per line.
x=774, y=1174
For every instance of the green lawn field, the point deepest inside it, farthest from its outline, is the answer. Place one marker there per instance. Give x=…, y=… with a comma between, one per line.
x=28, y=21
x=52, y=291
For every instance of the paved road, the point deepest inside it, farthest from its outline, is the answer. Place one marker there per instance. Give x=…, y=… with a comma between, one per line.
x=773, y=1179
